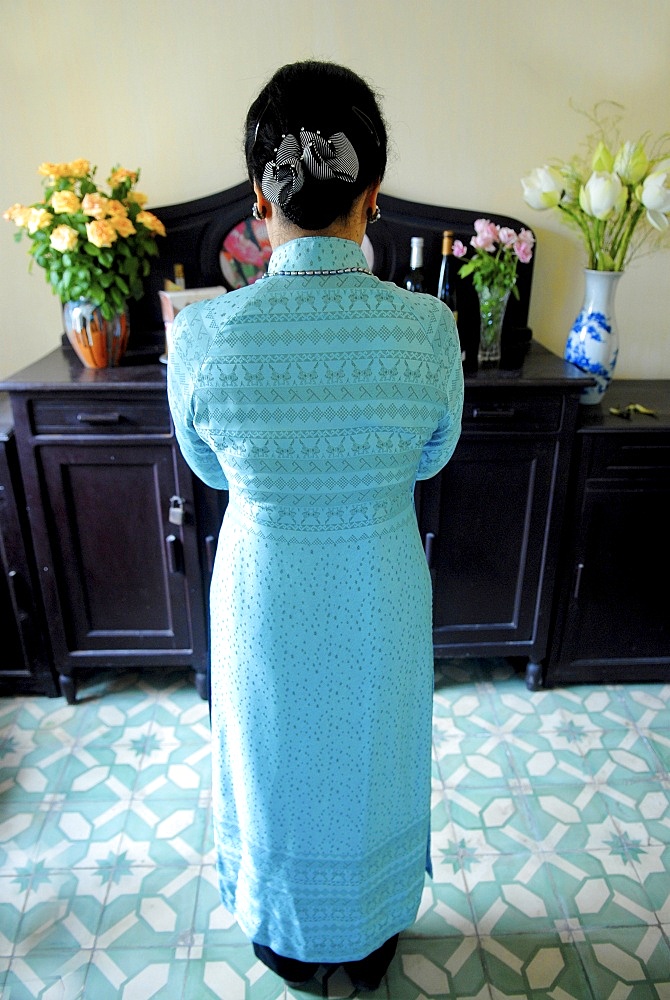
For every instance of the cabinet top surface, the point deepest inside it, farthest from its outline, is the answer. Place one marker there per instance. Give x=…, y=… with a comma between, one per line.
x=61, y=371
x=653, y=394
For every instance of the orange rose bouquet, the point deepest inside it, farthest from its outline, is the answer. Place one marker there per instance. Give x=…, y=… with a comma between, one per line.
x=93, y=244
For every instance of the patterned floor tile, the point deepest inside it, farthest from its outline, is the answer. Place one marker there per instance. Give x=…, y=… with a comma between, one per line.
x=512, y=894
x=534, y=966
x=13, y=895
x=652, y=867
x=645, y=800
x=550, y=841
x=559, y=816
x=473, y=761
x=601, y=888
x=164, y=832
x=487, y=821
x=62, y=911
x=20, y=830
x=211, y=921
x=445, y=909
x=620, y=755
x=437, y=968
x=630, y=962
x=148, y=907
x=649, y=705
x=136, y=974
x=232, y=972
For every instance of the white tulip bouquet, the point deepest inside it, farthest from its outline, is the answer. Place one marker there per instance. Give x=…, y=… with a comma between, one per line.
x=617, y=196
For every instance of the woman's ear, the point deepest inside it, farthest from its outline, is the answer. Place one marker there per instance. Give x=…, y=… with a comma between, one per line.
x=264, y=206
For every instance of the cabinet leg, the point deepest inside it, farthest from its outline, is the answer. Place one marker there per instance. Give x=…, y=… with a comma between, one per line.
x=202, y=685
x=67, y=687
x=534, y=676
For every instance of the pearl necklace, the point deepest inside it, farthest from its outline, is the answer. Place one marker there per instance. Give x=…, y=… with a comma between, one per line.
x=335, y=270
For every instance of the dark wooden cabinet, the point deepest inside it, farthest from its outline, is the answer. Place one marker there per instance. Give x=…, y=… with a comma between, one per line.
x=491, y=520
x=25, y=663
x=119, y=570
x=613, y=617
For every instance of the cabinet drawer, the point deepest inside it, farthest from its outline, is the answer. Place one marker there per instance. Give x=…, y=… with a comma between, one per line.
x=484, y=414
x=99, y=416
x=630, y=455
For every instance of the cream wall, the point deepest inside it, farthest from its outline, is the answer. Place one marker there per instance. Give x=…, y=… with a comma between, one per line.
x=476, y=93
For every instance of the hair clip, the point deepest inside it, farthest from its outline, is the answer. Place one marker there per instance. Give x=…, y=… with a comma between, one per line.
x=367, y=122
x=259, y=122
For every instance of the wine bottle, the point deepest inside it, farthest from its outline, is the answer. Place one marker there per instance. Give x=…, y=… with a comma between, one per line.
x=446, y=290
x=414, y=277
x=446, y=286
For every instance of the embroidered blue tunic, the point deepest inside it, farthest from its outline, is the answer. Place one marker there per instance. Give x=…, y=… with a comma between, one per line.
x=317, y=400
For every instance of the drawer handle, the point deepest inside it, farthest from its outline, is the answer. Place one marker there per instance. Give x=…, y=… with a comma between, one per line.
x=99, y=418
x=173, y=550
x=478, y=413
x=578, y=581
x=428, y=547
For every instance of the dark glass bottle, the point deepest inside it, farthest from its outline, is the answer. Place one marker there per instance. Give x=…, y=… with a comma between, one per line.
x=414, y=278
x=446, y=286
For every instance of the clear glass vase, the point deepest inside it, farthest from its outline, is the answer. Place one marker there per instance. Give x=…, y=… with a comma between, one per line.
x=492, y=306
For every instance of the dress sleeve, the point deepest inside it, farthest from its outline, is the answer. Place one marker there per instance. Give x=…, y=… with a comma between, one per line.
x=188, y=347
x=440, y=448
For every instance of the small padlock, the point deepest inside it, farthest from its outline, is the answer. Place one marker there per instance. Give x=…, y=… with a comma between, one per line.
x=176, y=513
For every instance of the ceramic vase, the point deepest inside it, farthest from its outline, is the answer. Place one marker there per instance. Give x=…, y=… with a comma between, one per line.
x=97, y=342
x=593, y=341
x=492, y=306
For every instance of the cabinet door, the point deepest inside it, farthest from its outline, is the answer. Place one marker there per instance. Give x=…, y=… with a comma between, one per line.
x=24, y=661
x=618, y=614
x=119, y=578
x=485, y=520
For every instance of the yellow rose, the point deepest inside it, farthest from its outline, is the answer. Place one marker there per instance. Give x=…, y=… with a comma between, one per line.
x=18, y=214
x=64, y=238
x=151, y=222
x=65, y=202
x=78, y=168
x=38, y=218
x=95, y=205
x=137, y=197
x=120, y=175
x=101, y=233
x=115, y=207
x=53, y=169
x=122, y=224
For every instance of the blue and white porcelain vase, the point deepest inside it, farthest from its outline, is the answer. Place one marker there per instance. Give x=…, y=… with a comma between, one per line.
x=593, y=341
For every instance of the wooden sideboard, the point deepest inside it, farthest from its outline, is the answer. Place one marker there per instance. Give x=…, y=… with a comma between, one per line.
x=612, y=620
x=123, y=585
x=119, y=581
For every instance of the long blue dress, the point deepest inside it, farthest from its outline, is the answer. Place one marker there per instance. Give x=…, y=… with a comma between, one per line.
x=318, y=400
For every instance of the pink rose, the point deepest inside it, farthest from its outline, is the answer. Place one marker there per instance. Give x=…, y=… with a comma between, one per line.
x=523, y=250
x=487, y=235
x=459, y=249
x=507, y=236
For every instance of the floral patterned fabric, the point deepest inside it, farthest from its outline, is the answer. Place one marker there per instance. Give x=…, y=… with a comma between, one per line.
x=318, y=400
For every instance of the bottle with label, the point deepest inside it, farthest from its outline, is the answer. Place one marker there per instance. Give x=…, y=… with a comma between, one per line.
x=446, y=286
x=414, y=278
x=179, y=279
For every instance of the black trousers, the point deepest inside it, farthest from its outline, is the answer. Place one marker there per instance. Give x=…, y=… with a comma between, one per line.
x=365, y=973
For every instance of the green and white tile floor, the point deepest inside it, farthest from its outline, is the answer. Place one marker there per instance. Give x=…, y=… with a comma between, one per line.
x=551, y=847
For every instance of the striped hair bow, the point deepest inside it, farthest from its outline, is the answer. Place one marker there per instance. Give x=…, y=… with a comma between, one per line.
x=324, y=159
